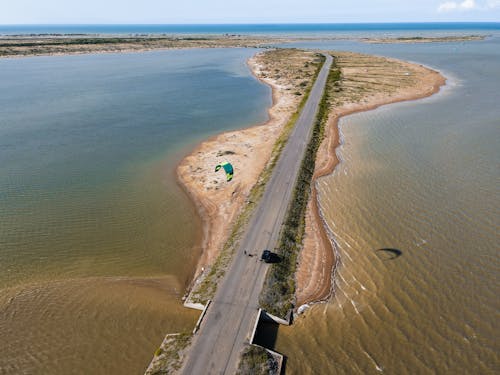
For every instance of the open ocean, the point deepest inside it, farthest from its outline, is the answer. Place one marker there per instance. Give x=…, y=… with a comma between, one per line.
x=339, y=29
x=97, y=241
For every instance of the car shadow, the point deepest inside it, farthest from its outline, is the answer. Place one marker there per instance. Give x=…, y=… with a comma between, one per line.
x=274, y=258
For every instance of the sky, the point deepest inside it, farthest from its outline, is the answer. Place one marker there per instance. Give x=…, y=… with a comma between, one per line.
x=236, y=11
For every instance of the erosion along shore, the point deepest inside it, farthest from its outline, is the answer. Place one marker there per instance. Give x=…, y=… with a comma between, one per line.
x=366, y=83
x=361, y=82
x=290, y=73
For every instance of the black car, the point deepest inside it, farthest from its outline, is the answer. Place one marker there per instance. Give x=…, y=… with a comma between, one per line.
x=266, y=256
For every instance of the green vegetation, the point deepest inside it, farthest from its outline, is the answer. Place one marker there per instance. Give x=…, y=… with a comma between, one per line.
x=285, y=134
x=255, y=360
x=168, y=357
x=278, y=294
x=87, y=41
x=27, y=45
x=68, y=41
x=205, y=290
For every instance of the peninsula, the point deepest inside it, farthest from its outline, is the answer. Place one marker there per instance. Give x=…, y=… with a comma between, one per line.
x=425, y=39
x=357, y=83
x=363, y=83
x=62, y=44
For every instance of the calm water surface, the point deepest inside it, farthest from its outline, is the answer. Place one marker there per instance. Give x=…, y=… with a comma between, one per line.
x=96, y=239
x=421, y=178
x=282, y=29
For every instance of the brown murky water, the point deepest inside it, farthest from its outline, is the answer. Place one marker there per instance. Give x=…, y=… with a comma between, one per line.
x=94, y=259
x=70, y=317
x=414, y=206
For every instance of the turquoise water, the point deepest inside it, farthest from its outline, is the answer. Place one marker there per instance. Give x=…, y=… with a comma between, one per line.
x=97, y=241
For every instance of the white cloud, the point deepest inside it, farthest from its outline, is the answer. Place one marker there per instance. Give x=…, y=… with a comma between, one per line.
x=468, y=4
x=493, y=4
x=464, y=5
x=449, y=6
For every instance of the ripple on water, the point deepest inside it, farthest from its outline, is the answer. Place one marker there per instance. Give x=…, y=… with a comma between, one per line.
x=431, y=309
x=53, y=327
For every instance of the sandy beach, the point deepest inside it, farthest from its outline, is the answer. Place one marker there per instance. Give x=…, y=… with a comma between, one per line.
x=315, y=276
x=219, y=202
x=383, y=81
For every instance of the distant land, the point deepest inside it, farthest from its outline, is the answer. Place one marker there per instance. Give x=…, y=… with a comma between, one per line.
x=115, y=213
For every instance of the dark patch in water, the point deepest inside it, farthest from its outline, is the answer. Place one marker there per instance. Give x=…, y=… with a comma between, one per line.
x=395, y=253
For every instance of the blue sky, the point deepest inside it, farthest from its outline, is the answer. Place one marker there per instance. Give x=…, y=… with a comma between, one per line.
x=254, y=11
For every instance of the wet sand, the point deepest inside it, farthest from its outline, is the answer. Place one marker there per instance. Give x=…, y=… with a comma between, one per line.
x=219, y=202
x=315, y=276
x=368, y=82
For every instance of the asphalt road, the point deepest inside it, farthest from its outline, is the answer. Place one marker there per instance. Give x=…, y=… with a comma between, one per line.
x=230, y=318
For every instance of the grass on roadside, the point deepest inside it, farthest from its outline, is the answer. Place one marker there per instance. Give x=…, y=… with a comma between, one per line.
x=278, y=295
x=255, y=360
x=168, y=357
x=205, y=290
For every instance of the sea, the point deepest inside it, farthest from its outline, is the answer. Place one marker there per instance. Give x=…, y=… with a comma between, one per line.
x=304, y=29
x=98, y=242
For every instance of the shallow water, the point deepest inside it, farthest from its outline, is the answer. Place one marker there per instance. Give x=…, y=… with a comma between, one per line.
x=97, y=241
x=96, y=238
x=420, y=178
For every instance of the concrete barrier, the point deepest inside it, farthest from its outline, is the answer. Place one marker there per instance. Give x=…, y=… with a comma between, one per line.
x=256, y=324
x=189, y=297
x=196, y=306
x=202, y=315
x=262, y=315
x=272, y=318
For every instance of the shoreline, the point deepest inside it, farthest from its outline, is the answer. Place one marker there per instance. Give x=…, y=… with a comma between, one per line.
x=317, y=230
x=18, y=47
x=205, y=208
x=420, y=39
x=119, y=51
x=218, y=206
x=318, y=259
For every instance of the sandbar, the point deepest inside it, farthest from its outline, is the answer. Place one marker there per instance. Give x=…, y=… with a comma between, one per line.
x=367, y=82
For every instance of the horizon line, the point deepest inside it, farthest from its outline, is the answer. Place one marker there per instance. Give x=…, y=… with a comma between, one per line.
x=249, y=23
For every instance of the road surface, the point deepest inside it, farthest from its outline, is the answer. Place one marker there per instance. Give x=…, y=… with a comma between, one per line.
x=217, y=346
